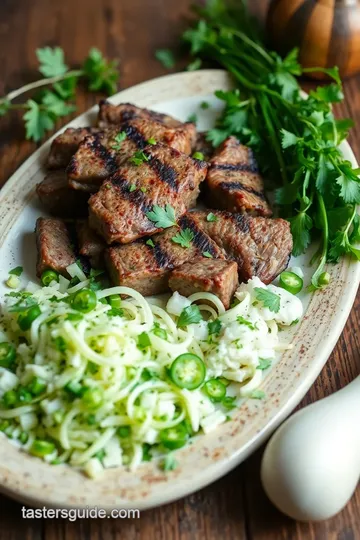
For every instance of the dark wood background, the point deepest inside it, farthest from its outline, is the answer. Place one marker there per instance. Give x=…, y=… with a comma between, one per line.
x=235, y=507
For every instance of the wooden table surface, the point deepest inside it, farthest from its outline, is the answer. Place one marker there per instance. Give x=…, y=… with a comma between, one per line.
x=235, y=507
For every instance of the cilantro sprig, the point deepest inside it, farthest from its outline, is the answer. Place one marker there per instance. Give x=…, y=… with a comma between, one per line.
x=184, y=238
x=162, y=217
x=268, y=299
x=295, y=140
x=43, y=109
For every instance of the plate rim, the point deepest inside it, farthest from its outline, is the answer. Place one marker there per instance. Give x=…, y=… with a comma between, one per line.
x=219, y=468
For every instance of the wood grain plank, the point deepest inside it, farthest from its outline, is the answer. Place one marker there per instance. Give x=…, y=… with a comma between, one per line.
x=235, y=507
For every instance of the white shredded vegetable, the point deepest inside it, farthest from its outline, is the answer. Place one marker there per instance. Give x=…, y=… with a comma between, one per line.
x=99, y=388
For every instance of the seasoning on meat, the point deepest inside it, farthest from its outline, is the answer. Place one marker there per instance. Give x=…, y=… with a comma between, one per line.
x=90, y=244
x=110, y=114
x=65, y=145
x=59, y=199
x=55, y=250
x=260, y=246
x=210, y=275
x=99, y=156
x=233, y=182
x=164, y=176
x=146, y=266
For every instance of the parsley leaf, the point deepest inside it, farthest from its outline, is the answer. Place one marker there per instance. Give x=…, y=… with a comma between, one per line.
x=184, y=238
x=207, y=254
x=37, y=122
x=269, y=299
x=300, y=229
x=55, y=105
x=151, y=141
x=211, y=217
x=195, y=65
x=198, y=155
x=189, y=315
x=16, y=271
x=288, y=139
x=132, y=188
x=118, y=139
x=150, y=243
x=214, y=327
x=245, y=322
x=51, y=61
x=264, y=363
x=162, y=217
x=139, y=157
x=101, y=73
x=192, y=118
x=165, y=57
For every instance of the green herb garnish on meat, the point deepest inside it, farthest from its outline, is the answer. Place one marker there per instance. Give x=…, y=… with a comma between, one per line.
x=118, y=139
x=138, y=158
x=42, y=111
x=162, y=217
x=211, y=217
x=150, y=243
x=294, y=139
x=207, y=254
x=184, y=238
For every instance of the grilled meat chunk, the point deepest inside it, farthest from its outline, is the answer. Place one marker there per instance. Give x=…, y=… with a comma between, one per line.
x=203, y=146
x=99, y=156
x=110, y=115
x=215, y=276
x=55, y=251
x=260, y=246
x=90, y=244
x=65, y=145
x=118, y=212
x=146, y=267
x=59, y=199
x=233, y=182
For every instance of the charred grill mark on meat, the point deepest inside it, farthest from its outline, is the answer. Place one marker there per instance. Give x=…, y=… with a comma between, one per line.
x=161, y=257
x=247, y=167
x=241, y=221
x=137, y=197
x=238, y=186
x=200, y=240
x=164, y=172
x=134, y=135
x=100, y=153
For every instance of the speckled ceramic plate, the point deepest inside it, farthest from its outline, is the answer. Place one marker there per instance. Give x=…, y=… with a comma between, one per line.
x=211, y=456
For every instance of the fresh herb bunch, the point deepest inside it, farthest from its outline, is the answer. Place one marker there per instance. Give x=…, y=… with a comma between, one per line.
x=294, y=139
x=42, y=111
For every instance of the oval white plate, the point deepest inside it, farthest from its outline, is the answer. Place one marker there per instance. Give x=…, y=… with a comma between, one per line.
x=211, y=456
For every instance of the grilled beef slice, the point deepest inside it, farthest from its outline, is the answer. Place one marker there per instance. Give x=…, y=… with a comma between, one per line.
x=233, y=182
x=210, y=275
x=59, y=199
x=90, y=244
x=146, y=268
x=99, y=156
x=65, y=145
x=260, y=246
x=55, y=251
x=110, y=115
x=165, y=177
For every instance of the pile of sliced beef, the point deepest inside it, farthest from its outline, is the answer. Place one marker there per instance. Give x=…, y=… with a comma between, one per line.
x=108, y=178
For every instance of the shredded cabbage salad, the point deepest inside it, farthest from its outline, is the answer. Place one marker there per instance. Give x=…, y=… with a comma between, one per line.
x=101, y=378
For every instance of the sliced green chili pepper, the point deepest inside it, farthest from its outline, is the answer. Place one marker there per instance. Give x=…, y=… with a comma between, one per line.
x=40, y=448
x=48, y=276
x=26, y=319
x=84, y=301
x=291, y=282
x=7, y=354
x=188, y=371
x=174, y=437
x=215, y=389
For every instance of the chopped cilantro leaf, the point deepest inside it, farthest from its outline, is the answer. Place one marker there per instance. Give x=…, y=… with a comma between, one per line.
x=118, y=139
x=132, y=188
x=184, y=238
x=247, y=323
x=150, y=243
x=207, y=254
x=264, y=363
x=151, y=140
x=162, y=217
x=214, y=327
x=257, y=394
x=139, y=157
x=269, y=299
x=211, y=217
x=143, y=340
x=189, y=315
x=16, y=271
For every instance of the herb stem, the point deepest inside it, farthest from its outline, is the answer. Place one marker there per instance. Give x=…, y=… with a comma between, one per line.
x=42, y=82
x=325, y=240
